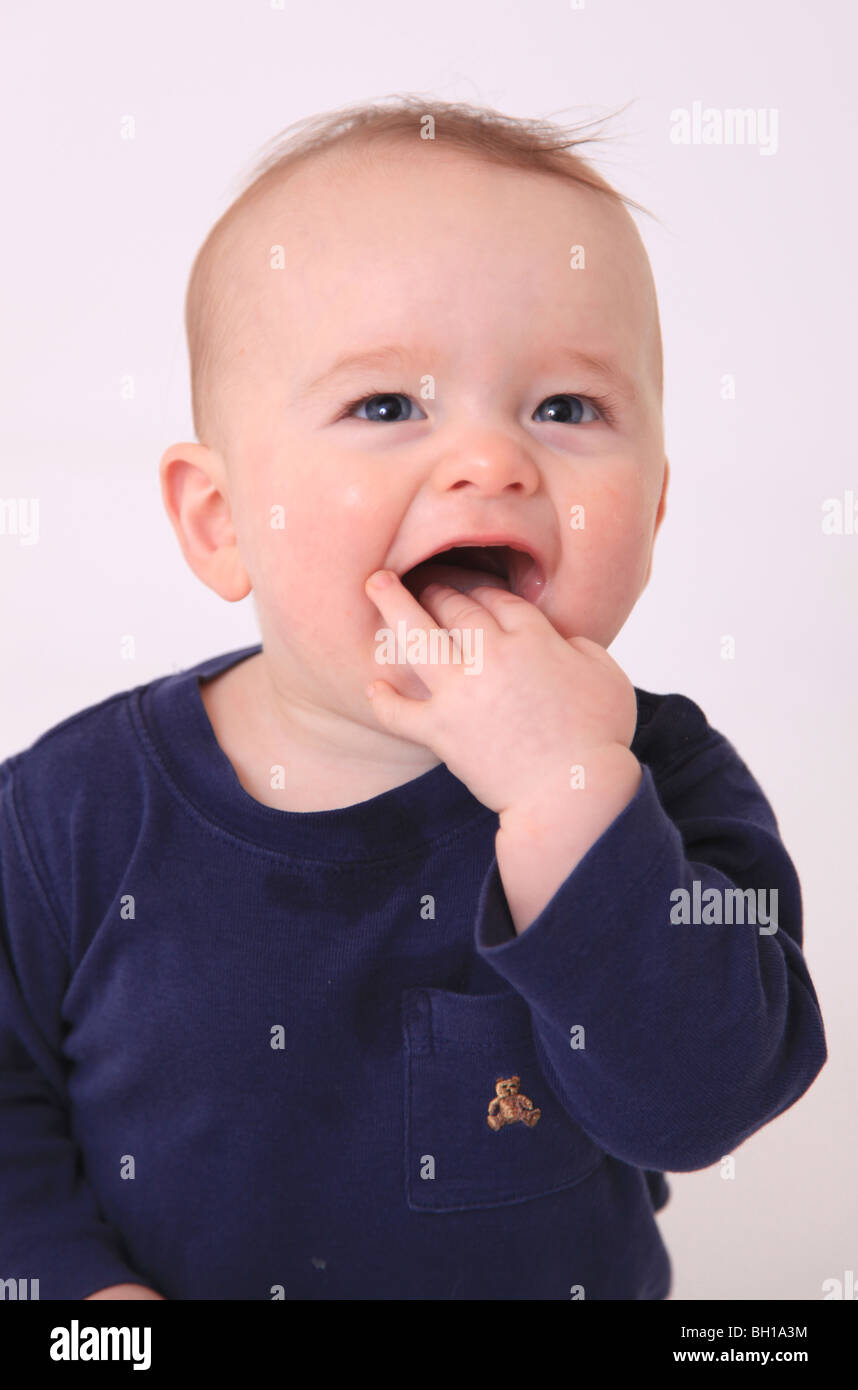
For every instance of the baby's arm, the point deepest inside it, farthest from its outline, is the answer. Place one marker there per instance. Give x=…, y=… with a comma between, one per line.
x=51, y=1228
x=670, y=1041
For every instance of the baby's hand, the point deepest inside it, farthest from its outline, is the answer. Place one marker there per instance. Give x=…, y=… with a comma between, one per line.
x=541, y=704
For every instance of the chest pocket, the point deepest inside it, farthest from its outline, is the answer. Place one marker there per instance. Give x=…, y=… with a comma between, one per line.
x=482, y=1126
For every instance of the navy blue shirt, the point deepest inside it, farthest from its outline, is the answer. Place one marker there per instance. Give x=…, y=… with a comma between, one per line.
x=248, y=1053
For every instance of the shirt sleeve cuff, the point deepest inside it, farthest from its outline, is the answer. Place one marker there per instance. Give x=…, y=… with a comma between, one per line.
x=628, y=852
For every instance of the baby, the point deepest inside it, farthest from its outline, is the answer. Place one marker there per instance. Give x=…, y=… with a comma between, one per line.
x=341, y=966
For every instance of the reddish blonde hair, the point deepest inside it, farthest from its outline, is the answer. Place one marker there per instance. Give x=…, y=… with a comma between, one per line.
x=513, y=142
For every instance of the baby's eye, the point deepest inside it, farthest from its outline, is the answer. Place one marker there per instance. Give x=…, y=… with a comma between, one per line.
x=384, y=406
x=563, y=414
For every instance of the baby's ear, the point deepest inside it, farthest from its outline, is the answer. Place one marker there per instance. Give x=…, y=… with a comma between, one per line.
x=662, y=501
x=194, y=492
x=659, y=517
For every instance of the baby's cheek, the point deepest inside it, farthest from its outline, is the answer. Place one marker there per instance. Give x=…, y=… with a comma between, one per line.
x=322, y=544
x=367, y=514
x=357, y=498
x=607, y=565
x=605, y=534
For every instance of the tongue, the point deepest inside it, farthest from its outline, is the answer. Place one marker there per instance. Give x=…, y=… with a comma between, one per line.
x=456, y=576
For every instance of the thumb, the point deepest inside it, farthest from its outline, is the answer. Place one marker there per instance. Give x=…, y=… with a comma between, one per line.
x=399, y=715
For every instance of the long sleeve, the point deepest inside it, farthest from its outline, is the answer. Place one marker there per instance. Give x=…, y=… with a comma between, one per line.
x=50, y=1226
x=695, y=1034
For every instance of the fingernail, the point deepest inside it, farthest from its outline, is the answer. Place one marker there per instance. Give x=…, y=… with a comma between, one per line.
x=380, y=579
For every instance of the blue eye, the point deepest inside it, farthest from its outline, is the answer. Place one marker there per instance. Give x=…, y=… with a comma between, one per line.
x=563, y=415
x=384, y=406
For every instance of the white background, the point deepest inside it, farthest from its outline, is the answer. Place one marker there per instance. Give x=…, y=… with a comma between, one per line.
x=754, y=262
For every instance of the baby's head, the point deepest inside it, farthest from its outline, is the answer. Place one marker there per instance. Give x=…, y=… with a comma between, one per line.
x=398, y=342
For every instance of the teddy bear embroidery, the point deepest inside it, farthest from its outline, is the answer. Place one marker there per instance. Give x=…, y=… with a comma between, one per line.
x=508, y=1106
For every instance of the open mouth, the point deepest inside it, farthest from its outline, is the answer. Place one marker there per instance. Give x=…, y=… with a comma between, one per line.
x=463, y=567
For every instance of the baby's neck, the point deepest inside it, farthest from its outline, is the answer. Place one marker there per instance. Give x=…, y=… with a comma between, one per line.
x=319, y=776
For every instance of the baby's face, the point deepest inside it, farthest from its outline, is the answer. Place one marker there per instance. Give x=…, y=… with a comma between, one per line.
x=484, y=423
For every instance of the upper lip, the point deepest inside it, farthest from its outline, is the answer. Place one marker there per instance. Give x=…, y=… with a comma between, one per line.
x=510, y=538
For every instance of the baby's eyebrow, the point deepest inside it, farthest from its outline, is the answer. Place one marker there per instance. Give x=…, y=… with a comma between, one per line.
x=605, y=368
x=393, y=354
